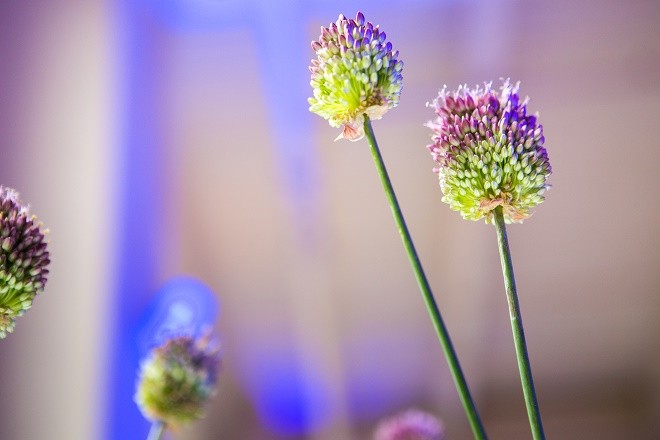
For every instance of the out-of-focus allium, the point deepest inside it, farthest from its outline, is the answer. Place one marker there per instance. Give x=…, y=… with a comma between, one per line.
x=355, y=73
x=410, y=425
x=177, y=380
x=490, y=152
x=24, y=259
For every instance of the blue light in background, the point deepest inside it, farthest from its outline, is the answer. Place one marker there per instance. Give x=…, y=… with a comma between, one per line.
x=199, y=14
x=182, y=306
x=140, y=207
x=290, y=398
x=286, y=403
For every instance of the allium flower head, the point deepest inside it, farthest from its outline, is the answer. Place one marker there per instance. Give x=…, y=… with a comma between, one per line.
x=411, y=425
x=24, y=259
x=490, y=152
x=177, y=380
x=355, y=73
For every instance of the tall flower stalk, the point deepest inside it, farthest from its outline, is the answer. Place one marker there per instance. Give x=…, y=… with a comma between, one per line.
x=355, y=78
x=517, y=327
x=493, y=165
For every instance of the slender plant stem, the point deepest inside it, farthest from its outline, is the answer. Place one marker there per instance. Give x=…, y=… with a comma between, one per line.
x=425, y=288
x=517, y=327
x=156, y=431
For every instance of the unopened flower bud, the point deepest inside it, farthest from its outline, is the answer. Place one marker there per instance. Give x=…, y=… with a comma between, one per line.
x=355, y=74
x=177, y=380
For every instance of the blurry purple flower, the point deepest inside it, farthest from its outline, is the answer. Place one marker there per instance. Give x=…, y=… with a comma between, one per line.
x=410, y=425
x=177, y=380
x=490, y=152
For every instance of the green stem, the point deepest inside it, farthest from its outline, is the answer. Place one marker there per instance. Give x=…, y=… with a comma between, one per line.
x=425, y=288
x=517, y=327
x=156, y=431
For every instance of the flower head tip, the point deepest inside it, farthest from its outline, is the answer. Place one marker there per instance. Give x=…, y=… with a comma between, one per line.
x=490, y=152
x=24, y=259
x=355, y=73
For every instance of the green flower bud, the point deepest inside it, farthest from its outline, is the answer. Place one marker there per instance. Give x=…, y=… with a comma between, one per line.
x=177, y=380
x=355, y=74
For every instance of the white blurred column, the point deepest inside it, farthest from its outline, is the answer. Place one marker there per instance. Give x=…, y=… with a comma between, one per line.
x=61, y=162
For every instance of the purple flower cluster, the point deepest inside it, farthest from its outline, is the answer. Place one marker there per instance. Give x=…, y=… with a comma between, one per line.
x=24, y=259
x=356, y=73
x=490, y=152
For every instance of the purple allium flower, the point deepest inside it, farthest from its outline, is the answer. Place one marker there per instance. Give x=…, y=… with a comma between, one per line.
x=355, y=73
x=410, y=425
x=177, y=380
x=24, y=259
x=490, y=152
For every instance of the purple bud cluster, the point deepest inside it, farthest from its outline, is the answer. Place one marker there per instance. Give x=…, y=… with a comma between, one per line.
x=356, y=73
x=177, y=380
x=490, y=152
x=24, y=259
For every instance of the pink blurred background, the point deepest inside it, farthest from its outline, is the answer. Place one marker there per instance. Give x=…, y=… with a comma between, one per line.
x=293, y=232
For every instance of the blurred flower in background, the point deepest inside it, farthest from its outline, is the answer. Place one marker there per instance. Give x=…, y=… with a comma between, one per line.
x=177, y=380
x=24, y=259
x=412, y=424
